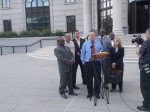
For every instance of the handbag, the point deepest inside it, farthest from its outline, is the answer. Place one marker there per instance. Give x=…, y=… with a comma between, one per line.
x=114, y=76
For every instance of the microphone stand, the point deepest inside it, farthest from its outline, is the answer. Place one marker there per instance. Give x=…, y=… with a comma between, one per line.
x=95, y=75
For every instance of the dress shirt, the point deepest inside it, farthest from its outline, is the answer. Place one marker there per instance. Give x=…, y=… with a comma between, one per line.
x=86, y=50
x=71, y=46
x=112, y=42
x=78, y=41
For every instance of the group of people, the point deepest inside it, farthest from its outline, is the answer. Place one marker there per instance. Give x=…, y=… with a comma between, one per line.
x=71, y=53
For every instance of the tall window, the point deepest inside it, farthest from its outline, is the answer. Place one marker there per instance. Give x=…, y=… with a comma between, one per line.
x=105, y=15
x=5, y=3
x=71, y=24
x=7, y=25
x=37, y=14
x=70, y=1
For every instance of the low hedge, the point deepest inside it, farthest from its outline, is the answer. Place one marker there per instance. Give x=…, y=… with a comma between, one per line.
x=8, y=34
x=31, y=33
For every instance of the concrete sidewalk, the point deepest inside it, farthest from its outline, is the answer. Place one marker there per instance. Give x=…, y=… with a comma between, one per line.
x=31, y=85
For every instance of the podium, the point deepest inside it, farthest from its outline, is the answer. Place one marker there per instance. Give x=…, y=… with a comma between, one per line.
x=100, y=55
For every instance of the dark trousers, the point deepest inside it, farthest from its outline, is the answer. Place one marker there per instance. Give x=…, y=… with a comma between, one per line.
x=145, y=88
x=74, y=68
x=120, y=84
x=89, y=71
x=105, y=68
x=65, y=80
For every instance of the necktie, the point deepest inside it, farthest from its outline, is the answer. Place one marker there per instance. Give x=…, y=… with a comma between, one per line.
x=102, y=41
x=93, y=48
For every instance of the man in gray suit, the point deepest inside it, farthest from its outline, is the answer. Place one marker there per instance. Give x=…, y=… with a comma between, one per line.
x=65, y=60
x=106, y=43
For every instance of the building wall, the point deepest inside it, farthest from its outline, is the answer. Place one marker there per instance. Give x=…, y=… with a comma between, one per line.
x=59, y=11
x=15, y=13
x=94, y=15
x=125, y=16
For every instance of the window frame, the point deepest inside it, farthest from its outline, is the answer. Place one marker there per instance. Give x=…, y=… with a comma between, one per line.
x=7, y=4
x=70, y=1
x=37, y=18
x=103, y=13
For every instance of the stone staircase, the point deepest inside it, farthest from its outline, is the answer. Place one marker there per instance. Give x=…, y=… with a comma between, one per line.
x=130, y=51
x=44, y=53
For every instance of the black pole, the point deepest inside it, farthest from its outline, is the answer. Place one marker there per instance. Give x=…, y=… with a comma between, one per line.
x=26, y=49
x=13, y=49
x=1, y=51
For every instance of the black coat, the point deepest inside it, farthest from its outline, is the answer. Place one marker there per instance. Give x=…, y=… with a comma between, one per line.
x=77, y=48
x=117, y=57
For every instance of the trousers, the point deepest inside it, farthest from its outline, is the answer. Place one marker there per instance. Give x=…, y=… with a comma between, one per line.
x=145, y=88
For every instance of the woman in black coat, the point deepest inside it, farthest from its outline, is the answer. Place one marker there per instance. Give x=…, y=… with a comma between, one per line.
x=116, y=60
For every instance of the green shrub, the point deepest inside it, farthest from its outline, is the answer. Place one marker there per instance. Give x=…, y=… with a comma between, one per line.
x=24, y=34
x=59, y=33
x=8, y=34
x=46, y=32
x=31, y=33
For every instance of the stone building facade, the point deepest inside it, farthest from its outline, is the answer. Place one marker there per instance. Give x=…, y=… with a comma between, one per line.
x=120, y=16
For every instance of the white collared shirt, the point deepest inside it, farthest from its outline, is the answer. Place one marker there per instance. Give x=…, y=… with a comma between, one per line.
x=71, y=46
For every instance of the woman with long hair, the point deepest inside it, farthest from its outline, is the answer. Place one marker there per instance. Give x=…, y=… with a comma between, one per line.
x=116, y=60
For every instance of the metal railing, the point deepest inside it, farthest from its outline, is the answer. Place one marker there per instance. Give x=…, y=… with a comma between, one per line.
x=26, y=46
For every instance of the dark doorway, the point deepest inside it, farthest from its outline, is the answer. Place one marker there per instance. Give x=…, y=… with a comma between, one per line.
x=139, y=16
x=7, y=25
x=71, y=24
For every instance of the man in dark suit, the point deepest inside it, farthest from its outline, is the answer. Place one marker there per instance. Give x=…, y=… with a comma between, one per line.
x=65, y=60
x=106, y=44
x=105, y=41
x=78, y=42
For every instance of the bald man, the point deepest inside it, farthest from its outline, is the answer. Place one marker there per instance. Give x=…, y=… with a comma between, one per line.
x=65, y=59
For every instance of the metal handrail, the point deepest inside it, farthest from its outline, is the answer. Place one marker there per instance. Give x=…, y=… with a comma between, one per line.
x=26, y=46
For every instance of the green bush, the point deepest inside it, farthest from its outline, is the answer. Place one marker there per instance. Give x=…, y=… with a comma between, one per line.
x=59, y=33
x=24, y=34
x=8, y=34
x=31, y=33
x=46, y=32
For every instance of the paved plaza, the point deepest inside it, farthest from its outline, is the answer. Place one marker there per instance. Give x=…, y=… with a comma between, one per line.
x=31, y=85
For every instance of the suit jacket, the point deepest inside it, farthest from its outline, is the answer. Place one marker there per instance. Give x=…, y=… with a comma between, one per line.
x=117, y=57
x=64, y=55
x=77, y=48
x=106, y=43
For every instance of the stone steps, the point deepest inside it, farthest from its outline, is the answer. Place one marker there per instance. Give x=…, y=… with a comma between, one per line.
x=44, y=53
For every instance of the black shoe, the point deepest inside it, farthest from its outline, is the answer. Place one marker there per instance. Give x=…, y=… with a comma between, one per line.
x=64, y=96
x=76, y=87
x=141, y=108
x=106, y=86
x=120, y=90
x=97, y=96
x=89, y=96
x=112, y=90
x=73, y=93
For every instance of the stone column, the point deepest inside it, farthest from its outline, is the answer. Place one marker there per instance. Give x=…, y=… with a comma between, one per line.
x=117, y=17
x=87, y=16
